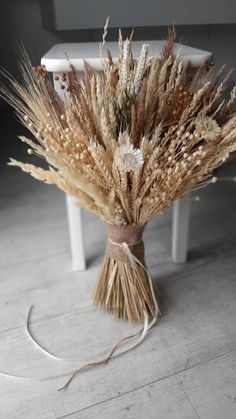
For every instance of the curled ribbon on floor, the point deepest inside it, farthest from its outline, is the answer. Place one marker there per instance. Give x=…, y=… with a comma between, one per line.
x=114, y=353
x=116, y=350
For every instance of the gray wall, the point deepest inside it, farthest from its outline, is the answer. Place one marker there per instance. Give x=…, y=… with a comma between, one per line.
x=80, y=14
x=21, y=20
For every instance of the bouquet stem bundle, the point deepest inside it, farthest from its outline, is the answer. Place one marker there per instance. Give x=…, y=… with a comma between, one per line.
x=124, y=286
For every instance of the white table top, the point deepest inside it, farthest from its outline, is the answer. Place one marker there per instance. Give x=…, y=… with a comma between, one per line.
x=55, y=60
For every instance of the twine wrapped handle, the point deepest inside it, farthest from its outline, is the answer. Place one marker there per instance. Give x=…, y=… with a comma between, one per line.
x=132, y=235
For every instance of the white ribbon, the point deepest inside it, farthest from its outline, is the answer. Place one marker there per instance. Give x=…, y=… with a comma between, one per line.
x=30, y=335
x=114, y=353
x=141, y=334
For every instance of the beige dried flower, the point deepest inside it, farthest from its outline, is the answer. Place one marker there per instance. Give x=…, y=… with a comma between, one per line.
x=128, y=158
x=207, y=127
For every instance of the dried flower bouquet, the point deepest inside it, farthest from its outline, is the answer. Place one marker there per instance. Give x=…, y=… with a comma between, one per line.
x=131, y=140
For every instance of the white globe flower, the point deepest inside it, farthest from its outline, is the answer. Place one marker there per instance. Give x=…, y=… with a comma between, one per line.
x=207, y=127
x=128, y=158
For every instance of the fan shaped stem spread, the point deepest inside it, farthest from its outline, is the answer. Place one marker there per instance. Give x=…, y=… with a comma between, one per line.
x=123, y=285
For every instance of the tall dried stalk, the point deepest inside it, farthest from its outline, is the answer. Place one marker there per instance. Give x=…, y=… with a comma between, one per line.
x=130, y=141
x=126, y=293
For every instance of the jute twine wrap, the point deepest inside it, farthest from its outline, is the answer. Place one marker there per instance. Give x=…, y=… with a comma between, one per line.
x=132, y=235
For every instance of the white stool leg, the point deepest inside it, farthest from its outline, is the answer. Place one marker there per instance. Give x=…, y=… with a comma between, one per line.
x=76, y=234
x=181, y=214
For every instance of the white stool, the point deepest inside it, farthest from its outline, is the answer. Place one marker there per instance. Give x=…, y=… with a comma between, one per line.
x=56, y=62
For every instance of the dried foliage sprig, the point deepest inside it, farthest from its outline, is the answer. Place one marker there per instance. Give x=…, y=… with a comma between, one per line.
x=130, y=140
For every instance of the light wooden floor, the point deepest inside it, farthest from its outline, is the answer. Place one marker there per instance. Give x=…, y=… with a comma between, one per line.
x=186, y=369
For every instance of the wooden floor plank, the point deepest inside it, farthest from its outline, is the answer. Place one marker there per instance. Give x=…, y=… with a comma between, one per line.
x=160, y=400
x=196, y=327
x=212, y=387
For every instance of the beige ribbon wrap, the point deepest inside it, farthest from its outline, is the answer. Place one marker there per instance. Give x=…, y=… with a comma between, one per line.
x=131, y=235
